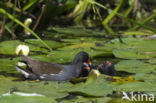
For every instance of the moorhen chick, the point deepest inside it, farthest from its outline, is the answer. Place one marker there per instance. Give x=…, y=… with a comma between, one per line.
x=85, y=69
x=107, y=68
x=53, y=71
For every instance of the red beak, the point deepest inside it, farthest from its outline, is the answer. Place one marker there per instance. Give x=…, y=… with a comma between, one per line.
x=108, y=63
x=100, y=66
x=89, y=62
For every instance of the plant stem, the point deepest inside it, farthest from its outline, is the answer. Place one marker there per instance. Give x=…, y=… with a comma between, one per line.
x=39, y=18
x=25, y=27
x=2, y=26
x=145, y=21
x=110, y=16
x=127, y=19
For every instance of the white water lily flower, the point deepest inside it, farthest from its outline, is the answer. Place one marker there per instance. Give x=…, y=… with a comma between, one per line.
x=27, y=23
x=22, y=49
x=21, y=64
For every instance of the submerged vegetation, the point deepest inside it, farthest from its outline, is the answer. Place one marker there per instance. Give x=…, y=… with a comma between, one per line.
x=121, y=31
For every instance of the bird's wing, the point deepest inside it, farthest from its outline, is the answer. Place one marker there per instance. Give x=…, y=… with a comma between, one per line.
x=40, y=68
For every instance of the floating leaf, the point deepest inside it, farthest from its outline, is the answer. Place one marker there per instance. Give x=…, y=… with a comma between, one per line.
x=9, y=47
x=128, y=53
x=147, y=77
x=8, y=65
x=22, y=99
x=132, y=48
x=49, y=89
x=51, y=43
x=137, y=86
x=77, y=31
x=134, y=66
x=98, y=87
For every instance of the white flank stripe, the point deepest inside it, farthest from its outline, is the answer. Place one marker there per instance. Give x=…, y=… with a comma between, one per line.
x=26, y=75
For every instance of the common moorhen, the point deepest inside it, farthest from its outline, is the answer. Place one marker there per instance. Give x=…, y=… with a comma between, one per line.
x=53, y=71
x=107, y=68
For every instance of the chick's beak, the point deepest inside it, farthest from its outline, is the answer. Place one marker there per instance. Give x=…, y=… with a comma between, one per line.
x=100, y=66
x=87, y=68
x=108, y=63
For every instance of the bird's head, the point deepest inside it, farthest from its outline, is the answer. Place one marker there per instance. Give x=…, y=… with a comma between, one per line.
x=81, y=57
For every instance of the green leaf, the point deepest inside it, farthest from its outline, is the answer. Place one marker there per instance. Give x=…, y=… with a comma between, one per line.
x=98, y=87
x=22, y=99
x=147, y=77
x=49, y=89
x=132, y=48
x=30, y=4
x=137, y=86
x=134, y=66
x=25, y=27
x=8, y=66
x=9, y=47
x=127, y=53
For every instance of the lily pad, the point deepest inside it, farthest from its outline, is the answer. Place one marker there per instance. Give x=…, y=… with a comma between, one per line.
x=49, y=89
x=50, y=43
x=23, y=99
x=128, y=53
x=132, y=48
x=77, y=31
x=152, y=61
x=8, y=65
x=81, y=99
x=134, y=66
x=99, y=87
x=9, y=47
x=137, y=86
x=147, y=77
x=92, y=46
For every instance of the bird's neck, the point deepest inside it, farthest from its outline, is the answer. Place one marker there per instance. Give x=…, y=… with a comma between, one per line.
x=76, y=62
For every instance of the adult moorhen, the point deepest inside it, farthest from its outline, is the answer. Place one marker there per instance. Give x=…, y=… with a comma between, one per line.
x=53, y=71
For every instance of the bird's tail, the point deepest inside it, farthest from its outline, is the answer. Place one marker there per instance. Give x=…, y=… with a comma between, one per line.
x=22, y=71
x=27, y=74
